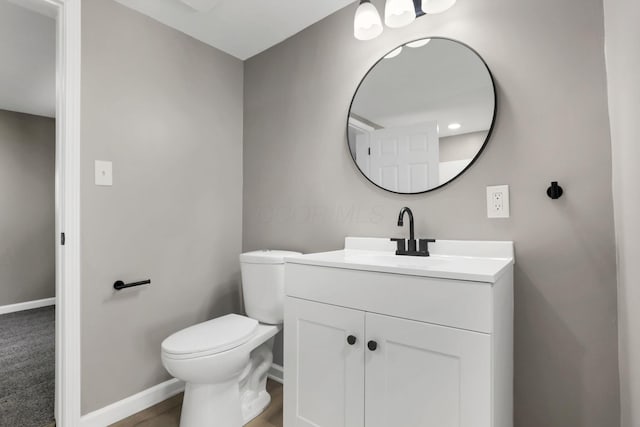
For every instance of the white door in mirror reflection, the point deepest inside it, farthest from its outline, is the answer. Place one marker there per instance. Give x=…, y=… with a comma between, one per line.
x=403, y=159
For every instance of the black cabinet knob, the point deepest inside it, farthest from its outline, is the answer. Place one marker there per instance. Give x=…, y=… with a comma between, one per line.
x=372, y=345
x=351, y=339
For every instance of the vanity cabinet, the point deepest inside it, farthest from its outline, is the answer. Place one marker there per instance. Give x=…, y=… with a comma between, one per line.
x=397, y=372
x=398, y=345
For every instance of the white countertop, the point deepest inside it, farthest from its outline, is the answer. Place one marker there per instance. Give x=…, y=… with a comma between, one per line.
x=456, y=260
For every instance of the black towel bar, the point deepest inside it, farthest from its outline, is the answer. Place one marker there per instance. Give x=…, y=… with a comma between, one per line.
x=121, y=285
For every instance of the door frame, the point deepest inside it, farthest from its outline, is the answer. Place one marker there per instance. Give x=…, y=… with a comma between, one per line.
x=67, y=206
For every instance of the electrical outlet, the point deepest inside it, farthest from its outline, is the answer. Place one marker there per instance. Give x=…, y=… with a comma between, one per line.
x=498, y=201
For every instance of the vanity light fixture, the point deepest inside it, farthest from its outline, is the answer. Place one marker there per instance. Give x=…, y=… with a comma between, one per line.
x=437, y=6
x=454, y=126
x=367, y=24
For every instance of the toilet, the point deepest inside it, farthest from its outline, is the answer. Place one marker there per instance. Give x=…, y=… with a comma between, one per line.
x=224, y=361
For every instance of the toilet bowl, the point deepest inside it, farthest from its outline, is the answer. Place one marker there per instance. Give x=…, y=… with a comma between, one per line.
x=224, y=361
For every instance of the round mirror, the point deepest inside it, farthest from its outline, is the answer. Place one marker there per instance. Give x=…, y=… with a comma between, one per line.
x=421, y=115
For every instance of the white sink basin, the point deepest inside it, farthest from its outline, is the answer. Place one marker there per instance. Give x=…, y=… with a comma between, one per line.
x=392, y=260
x=450, y=259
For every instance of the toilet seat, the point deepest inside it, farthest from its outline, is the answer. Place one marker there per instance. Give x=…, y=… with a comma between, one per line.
x=211, y=337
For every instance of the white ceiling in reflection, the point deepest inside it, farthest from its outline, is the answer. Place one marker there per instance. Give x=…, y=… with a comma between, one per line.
x=442, y=81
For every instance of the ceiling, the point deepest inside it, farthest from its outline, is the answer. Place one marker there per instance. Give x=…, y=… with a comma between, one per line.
x=240, y=28
x=28, y=52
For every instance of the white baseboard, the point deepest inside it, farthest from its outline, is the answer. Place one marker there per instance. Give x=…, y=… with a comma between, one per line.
x=29, y=305
x=139, y=402
x=276, y=373
x=132, y=405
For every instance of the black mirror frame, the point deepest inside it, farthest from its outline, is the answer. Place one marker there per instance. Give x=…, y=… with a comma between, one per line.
x=489, y=134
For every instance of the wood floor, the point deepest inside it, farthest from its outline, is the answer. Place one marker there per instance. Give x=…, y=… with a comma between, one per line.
x=167, y=413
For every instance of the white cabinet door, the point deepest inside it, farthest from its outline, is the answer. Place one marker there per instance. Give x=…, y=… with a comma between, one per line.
x=425, y=375
x=324, y=373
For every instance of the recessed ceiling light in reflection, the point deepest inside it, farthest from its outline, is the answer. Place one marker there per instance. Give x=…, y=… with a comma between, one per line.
x=394, y=53
x=418, y=43
x=454, y=126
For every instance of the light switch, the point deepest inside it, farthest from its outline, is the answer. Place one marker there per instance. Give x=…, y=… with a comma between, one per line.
x=104, y=173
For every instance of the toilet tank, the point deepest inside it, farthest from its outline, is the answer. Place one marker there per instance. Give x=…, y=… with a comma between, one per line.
x=263, y=284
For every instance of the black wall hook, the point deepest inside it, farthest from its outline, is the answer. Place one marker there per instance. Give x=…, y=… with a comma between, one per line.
x=555, y=191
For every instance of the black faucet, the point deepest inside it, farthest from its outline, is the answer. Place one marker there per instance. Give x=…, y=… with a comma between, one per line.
x=422, y=250
x=412, y=236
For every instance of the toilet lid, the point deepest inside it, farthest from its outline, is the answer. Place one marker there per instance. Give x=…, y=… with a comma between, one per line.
x=213, y=336
x=266, y=256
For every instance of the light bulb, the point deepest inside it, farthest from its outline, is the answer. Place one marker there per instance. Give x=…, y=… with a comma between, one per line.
x=436, y=6
x=419, y=43
x=454, y=126
x=367, y=24
x=393, y=53
x=399, y=13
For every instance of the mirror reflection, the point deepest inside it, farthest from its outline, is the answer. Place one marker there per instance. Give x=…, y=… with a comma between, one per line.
x=421, y=115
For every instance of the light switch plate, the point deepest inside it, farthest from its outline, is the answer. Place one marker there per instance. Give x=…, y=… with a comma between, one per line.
x=498, y=201
x=104, y=173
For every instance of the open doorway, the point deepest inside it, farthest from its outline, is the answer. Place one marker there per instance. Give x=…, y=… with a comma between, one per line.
x=27, y=215
x=67, y=18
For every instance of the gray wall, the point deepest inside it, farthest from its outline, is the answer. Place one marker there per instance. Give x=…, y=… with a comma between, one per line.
x=167, y=110
x=27, y=216
x=623, y=66
x=461, y=147
x=303, y=192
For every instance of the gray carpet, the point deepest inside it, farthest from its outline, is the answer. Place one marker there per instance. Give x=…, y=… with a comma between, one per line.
x=27, y=367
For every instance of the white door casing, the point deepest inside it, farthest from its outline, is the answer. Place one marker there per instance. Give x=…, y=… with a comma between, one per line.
x=67, y=206
x=363, y=157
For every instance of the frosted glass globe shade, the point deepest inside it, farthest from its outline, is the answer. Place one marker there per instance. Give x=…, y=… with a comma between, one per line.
x=367, y=24
x=399, y=13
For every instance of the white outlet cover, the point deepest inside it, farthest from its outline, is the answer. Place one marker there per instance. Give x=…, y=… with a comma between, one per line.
x=104, y=173
x=498, y=201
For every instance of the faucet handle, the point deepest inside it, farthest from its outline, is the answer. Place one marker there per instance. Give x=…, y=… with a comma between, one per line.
x=423, y=245
x=401, y=245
